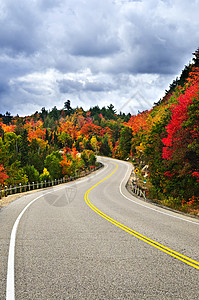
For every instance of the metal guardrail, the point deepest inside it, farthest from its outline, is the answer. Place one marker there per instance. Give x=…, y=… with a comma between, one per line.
x=22, y=188
x=138, y=191
x=134, y=186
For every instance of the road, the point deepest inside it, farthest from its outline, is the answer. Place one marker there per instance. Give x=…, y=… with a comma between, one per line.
x=91, y=239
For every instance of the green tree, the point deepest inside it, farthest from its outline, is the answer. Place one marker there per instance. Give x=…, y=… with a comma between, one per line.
x=126, y=136
x=43, y=114
x=32, y=173
x=16, y=174
x=24, y=148
x=89, y=158
x=54, y=114
x=67, y=105
x=52, y=163
x=105, y=148
x=65, y=139
x=92, y=158
x=4, y=153
x=11, y=141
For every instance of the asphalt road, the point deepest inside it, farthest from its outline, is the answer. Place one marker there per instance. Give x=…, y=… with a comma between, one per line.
x=91, y=239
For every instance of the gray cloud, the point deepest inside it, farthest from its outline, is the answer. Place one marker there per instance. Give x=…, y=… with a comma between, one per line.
x=75, y=86
x=69, y=86
x=100, y=86
x=20, y=26
x=92, y=51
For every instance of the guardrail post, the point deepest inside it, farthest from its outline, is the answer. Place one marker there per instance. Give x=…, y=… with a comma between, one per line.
x=29, y=186
x=24, y=187
x=5, y=189
x=45, y=183
x=37, y=184
x=55, y=181
x=10, y=189
x=20, y=187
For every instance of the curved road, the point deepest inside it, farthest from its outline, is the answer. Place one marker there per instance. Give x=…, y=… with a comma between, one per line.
x=91, y=239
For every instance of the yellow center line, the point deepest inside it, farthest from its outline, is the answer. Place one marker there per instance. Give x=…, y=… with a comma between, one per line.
x=151, y=242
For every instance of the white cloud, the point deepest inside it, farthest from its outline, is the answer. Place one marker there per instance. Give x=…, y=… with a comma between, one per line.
x=92, y=52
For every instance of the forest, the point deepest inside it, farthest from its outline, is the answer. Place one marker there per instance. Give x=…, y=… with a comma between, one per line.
x=58, y=143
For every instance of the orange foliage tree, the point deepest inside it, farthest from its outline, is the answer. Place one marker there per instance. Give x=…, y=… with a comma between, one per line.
x=3, y=175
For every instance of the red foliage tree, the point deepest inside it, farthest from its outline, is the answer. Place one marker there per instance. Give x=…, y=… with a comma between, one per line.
x=3, y=175
x=175, y=132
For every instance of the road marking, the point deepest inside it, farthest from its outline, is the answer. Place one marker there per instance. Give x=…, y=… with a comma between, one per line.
x=148, y=207
x=10, y=284
x=154, y=209
x=10, y=287
x=151, y=242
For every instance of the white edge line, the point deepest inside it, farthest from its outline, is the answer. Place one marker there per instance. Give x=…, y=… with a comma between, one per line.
x=161, y=212
x=10, y=284
x=10, y=288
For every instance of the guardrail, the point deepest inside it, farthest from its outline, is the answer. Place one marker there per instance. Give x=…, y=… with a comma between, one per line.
x=22, y=188
x=138, y=191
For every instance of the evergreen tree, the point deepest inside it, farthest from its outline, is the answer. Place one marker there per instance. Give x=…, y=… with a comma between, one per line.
x=67, y=105
x=196, y=58
x=43, y=114
x=125, y=142
x=24, y=148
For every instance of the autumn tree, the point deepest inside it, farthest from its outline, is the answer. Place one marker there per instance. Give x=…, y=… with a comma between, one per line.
x=88, y=157
x=45, y=175
x=3, y=175
x=94, y=143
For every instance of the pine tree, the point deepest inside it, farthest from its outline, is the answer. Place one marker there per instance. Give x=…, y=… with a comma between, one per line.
x=24, y=148
x=196, y=58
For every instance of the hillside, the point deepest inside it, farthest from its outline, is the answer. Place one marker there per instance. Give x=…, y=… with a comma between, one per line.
x=165, y=139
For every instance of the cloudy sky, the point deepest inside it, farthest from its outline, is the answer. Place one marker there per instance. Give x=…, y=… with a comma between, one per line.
x=124, y=52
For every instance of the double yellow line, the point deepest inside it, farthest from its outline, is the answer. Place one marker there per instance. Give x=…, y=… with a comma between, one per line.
x=151, y=242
